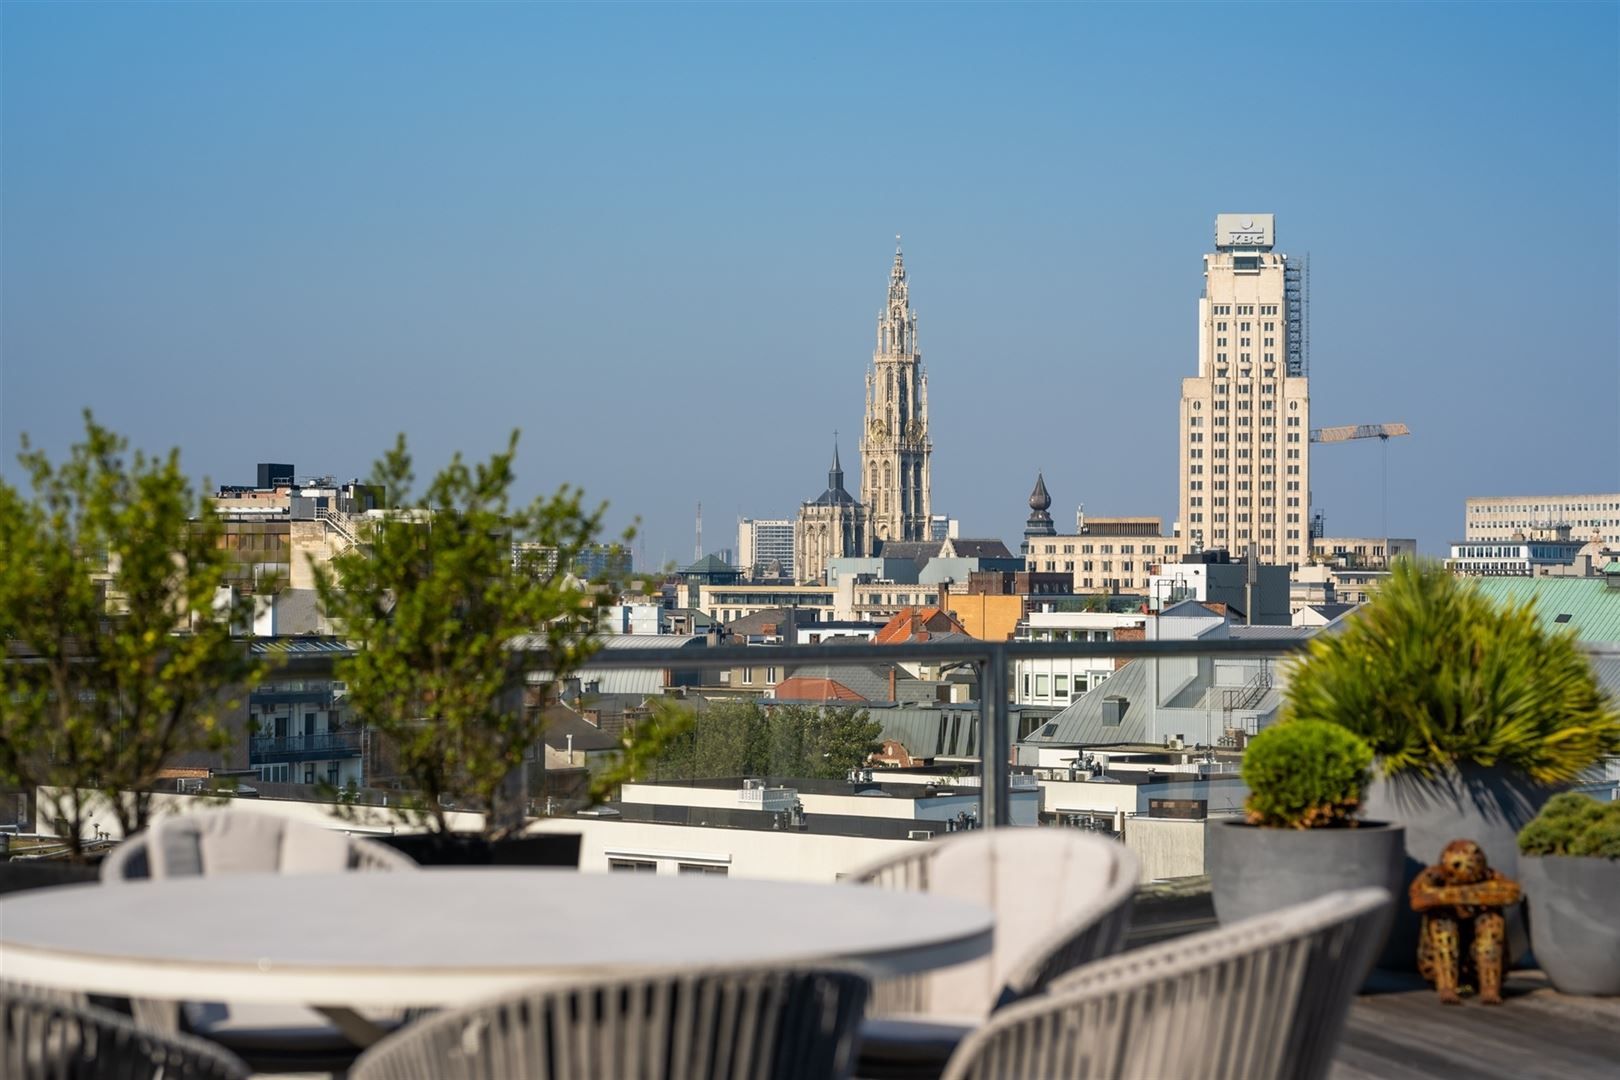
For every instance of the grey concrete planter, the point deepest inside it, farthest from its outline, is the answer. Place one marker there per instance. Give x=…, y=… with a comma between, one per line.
x=1253, y=870
x=1486, y=805
x=1573, y=926
x=19, y=875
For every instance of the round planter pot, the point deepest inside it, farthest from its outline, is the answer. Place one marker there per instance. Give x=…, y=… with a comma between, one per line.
x=1486, y=805
x=1573, y=931
x=20, y=875
x=1253, y=870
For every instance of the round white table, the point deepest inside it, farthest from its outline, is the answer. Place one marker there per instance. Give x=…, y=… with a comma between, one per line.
x=445, y=937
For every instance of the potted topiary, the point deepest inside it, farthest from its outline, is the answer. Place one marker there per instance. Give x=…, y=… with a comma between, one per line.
x=1476, y=715
x=1569, y=867
x=116, y=626
x=436, y=608
x=1301, y=838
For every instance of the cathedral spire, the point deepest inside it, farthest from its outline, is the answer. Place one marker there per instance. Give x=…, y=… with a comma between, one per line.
x=897, y=323
x=835, y=475
x=895, y=446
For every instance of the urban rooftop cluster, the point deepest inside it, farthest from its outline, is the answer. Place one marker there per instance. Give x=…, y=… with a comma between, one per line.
x=978, y=812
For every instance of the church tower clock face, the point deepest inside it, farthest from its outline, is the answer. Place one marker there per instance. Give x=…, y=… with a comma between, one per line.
x=895, y=452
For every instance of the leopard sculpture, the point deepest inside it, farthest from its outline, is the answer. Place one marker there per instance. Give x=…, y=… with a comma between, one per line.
x=1458, y=896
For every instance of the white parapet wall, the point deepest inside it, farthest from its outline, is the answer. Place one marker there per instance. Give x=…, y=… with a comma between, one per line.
x=786, y=856
x=1167, y=847
x=360, y=820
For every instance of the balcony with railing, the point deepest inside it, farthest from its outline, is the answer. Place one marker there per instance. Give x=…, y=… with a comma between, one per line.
x=320, y=746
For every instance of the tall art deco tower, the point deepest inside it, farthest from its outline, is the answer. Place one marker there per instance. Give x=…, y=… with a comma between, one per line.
x=894, y=447
x=1246, y=415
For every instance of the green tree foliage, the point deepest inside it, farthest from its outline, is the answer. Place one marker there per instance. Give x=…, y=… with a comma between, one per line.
x=1305, y=774
x=119, y=637
x=643, y=748
x=1433, y=674
x=747, y=738
x=1574, y=824
x=434, y=605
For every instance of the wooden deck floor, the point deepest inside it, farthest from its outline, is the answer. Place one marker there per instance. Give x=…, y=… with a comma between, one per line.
x=1400, y=1031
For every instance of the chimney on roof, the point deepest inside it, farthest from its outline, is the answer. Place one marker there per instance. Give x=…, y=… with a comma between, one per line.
x=891, y=683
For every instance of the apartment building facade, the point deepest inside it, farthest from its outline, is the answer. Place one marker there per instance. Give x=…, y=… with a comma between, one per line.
x=1108, y=555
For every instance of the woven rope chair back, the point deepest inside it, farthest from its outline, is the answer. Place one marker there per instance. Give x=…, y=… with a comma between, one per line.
x=1061, y=899
x=237, y=841
x=1264, y=999
x=722, y=1024
x=48, y=1038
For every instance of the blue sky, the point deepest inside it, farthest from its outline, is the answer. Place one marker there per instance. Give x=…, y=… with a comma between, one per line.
x=656, y=239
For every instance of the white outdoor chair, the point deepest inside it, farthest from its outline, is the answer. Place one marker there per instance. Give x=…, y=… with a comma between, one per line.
x=1061, y=898
x=273, y=1038
x=720, y=1024
x=43, y=1037
x=241, y=842
x=1262, y=999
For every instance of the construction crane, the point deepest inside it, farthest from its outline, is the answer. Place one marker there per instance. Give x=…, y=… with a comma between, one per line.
x=1383, y=433
x=1358, y=431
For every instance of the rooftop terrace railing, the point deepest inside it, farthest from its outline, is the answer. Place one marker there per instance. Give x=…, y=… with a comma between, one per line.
x=990, y=659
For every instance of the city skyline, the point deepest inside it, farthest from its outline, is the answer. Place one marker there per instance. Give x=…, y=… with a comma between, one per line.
x=654, y=240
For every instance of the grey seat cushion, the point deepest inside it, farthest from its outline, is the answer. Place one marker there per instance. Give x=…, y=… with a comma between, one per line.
x=273, y=1028
x=903, y=1047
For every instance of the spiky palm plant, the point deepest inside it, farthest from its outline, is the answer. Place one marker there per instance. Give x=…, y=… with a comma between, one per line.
x=1434, y=674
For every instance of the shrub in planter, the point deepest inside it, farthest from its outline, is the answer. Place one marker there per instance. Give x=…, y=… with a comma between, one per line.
x=437, y=608
x=1306, y=775
x=1433, y=674
x=1570, y=870
x=1302, y=838
x=435, y=604
x=1476, y=715
x=1573, y=824
x=118, y=633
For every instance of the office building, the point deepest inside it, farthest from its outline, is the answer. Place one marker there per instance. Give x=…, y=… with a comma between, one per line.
x=1509, y=517
x=1245, y=417
x=765, y=548
x=1549, y=552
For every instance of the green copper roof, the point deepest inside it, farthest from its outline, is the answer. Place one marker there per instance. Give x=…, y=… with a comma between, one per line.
x=1588, y=606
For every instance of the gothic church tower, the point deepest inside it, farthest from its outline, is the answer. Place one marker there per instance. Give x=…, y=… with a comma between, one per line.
x=833, y=526
x=895, y=448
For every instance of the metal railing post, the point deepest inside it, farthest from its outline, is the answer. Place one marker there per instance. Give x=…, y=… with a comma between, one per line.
x=995, y=802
